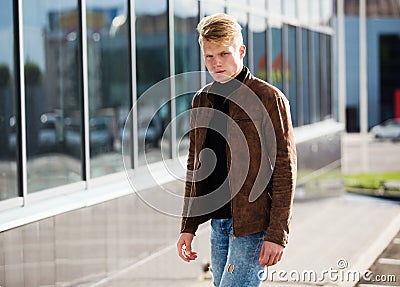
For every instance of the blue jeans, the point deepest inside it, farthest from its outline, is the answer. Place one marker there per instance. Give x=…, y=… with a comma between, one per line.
x=234, y=261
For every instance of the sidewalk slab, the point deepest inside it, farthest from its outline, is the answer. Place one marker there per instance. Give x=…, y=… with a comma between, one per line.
x=350, y=230
x=343, y=234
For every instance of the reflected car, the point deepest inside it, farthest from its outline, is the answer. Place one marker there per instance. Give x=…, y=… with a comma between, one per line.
x=48, y=135
x=149, y=129
x=72, y=136
x=101, y=137
x=12, y=135
x=389, y=129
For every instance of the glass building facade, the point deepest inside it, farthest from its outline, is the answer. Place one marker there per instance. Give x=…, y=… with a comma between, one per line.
x=74, y=113
x=378, y=100
x=71, y=73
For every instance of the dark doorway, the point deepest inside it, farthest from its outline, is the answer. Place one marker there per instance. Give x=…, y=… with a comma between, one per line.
x=389, y=51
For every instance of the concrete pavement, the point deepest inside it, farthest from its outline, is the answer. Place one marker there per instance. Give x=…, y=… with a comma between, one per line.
x=350, y=230
x=332, y=241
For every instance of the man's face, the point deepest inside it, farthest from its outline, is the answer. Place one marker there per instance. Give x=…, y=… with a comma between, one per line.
x=224, y=61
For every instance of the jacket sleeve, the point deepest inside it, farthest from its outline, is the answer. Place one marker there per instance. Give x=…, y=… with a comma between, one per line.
x=284, y=174
x=190, y=223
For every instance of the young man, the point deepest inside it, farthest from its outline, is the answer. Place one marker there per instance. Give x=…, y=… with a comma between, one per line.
x=241, y=163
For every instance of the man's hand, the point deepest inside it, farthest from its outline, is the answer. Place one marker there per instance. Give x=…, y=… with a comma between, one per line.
x=271, y=253
x=184, y=246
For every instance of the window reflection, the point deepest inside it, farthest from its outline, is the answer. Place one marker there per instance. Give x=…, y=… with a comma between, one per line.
x=241, y=16
x=291, y=73
x=315, y=11
x=326, y=96
x=8, y=176
x=316, y=93
x=327, y=12
x=187, y=59
x=305, y=47
x=259, y=4
x=258, y=26
x=52, y=90
x=185, y=36
x=152, y=64
x=108, y=82
x=212, y=7
x=328, y=81
x=277, y=59
x=274, y=7
x=289, y=8
x=303, y=10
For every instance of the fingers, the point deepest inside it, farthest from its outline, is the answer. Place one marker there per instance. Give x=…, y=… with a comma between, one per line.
x=270, y=254
x=274, y=258
x=180, y=246
x=184, y=246
x=270, y=259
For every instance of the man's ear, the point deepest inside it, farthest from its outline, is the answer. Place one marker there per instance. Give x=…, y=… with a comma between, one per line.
x=242, y=51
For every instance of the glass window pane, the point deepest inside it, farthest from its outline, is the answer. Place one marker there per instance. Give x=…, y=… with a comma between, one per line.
x=289, y=8
x=325, y=77
x=241, y=16
x=274, y=7
x=329, y=76
x=327, y=12
x=352, y=8
x=305, y=79
x=211, y=7
x=8, y=121
x=277, y=59
x=53, y=93
x=303, y=11
x=187, y=49
x=316, y=79
x=152, y=64
x=187, y=59
x=315, y=11
x=108, y=82
x=291, y=73
x=258, y=26
x=258, y=4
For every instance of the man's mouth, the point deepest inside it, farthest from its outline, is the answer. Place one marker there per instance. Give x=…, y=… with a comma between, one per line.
x=219, y=72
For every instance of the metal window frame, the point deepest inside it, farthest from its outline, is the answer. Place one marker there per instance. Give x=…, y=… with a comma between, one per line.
x=203, y=75
x=172, y=89
x=300, y=94
x=134, y=111
x=85, y=129
x=81, y=4
x=19, y=87
x=341, y=55
x=22, y=158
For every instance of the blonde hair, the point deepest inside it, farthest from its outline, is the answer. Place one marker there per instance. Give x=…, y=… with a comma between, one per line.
x=220, y=28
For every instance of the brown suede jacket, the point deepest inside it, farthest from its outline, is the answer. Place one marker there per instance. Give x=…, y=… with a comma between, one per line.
x=262, y=161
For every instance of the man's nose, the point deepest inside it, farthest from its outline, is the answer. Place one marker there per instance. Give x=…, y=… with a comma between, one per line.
x=217, y=61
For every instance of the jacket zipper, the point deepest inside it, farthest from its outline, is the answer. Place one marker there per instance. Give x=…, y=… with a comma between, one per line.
x=229, y=183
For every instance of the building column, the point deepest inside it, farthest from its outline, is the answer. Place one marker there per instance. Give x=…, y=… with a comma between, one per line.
x=341, y=41
x=363, y=69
